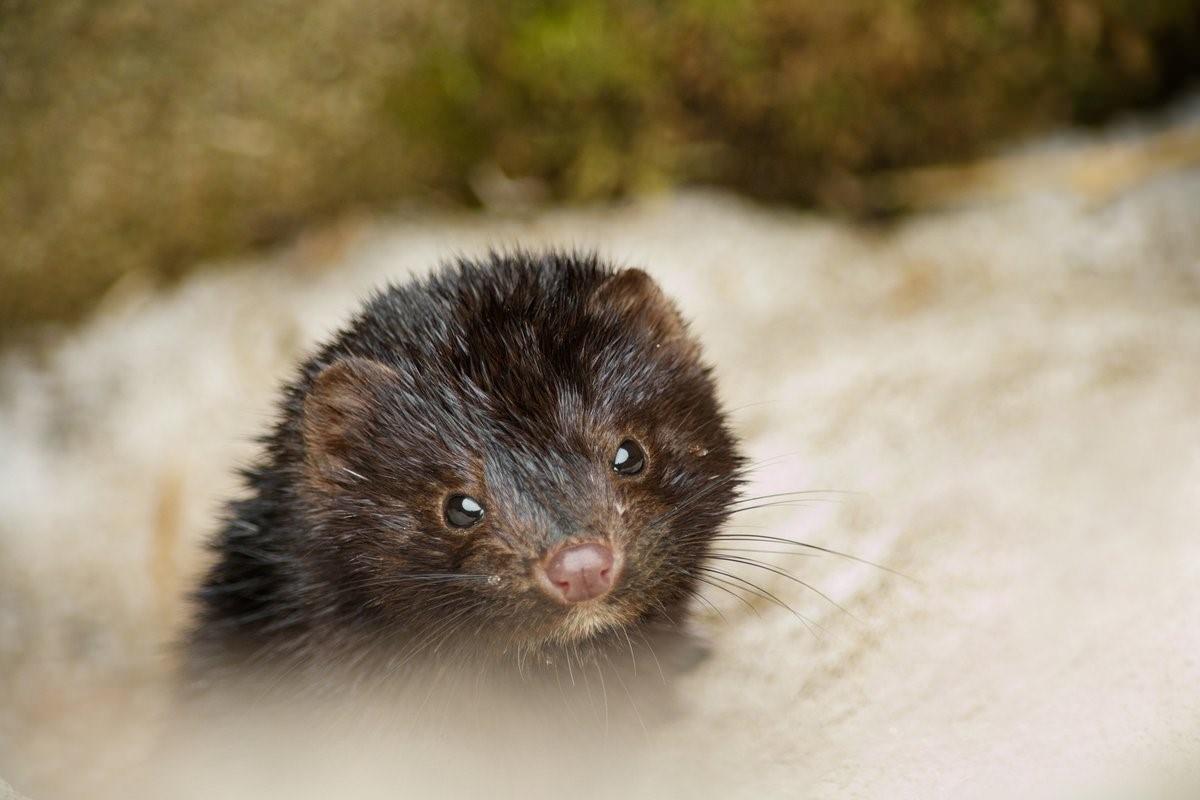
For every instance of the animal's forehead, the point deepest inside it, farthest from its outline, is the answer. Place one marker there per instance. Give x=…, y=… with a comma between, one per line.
x=534, y=377
x=527, y=420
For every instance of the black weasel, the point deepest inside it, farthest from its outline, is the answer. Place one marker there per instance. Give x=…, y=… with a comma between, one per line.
x=511, y=461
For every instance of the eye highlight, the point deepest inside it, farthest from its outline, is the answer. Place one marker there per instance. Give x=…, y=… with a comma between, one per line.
x=463, y=511
x=629, y=458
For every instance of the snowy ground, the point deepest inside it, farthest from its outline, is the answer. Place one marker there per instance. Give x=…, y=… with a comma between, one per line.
x=1010, y=384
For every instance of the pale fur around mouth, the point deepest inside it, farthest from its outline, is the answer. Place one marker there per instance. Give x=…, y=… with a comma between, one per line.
x=588, y=620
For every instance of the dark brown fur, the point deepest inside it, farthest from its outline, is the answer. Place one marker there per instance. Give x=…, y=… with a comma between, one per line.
x=512, y=380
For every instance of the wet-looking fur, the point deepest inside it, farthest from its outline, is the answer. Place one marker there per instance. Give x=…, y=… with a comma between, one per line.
x=512, y=380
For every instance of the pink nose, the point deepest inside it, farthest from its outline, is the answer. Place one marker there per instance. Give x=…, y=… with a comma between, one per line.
x=580, y=572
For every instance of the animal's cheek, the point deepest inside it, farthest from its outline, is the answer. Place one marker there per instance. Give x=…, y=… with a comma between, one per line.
x=489, y=560
x=639, y=509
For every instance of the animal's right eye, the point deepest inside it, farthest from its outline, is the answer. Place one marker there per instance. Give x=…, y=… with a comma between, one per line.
x=463, y=511
x=629, y=458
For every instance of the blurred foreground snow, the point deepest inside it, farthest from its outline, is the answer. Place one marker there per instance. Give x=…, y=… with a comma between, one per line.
x=1012, y=384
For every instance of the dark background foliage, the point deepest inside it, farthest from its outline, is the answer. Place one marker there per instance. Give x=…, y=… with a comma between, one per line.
x=137, y=139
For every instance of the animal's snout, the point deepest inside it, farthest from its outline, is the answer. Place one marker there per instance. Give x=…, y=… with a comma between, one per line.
x=579, y=573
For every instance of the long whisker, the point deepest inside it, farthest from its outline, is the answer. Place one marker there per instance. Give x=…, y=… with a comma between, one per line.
x=760, y=550
x=387, y=581
x=798, y=494
x=632, y=703
x=653, y=655
x=697, y=497
x=763, y=593
x=710, y=604
x=603, y=693
x=632, y=657
x=775, y=503
x=785, y=574
x=758, y=537
x=736, y=478
x=709, y=582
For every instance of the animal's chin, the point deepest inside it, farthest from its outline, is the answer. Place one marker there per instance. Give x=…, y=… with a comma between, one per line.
x=587, y=621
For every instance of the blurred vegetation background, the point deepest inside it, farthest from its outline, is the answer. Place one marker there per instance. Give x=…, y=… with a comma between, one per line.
x=137, y=139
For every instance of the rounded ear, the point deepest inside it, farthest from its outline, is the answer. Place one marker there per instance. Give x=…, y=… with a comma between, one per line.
x=338, y=411
x=633, y=295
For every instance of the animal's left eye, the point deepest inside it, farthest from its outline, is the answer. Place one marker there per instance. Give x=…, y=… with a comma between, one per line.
x=463, y=511
x=629, y=458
